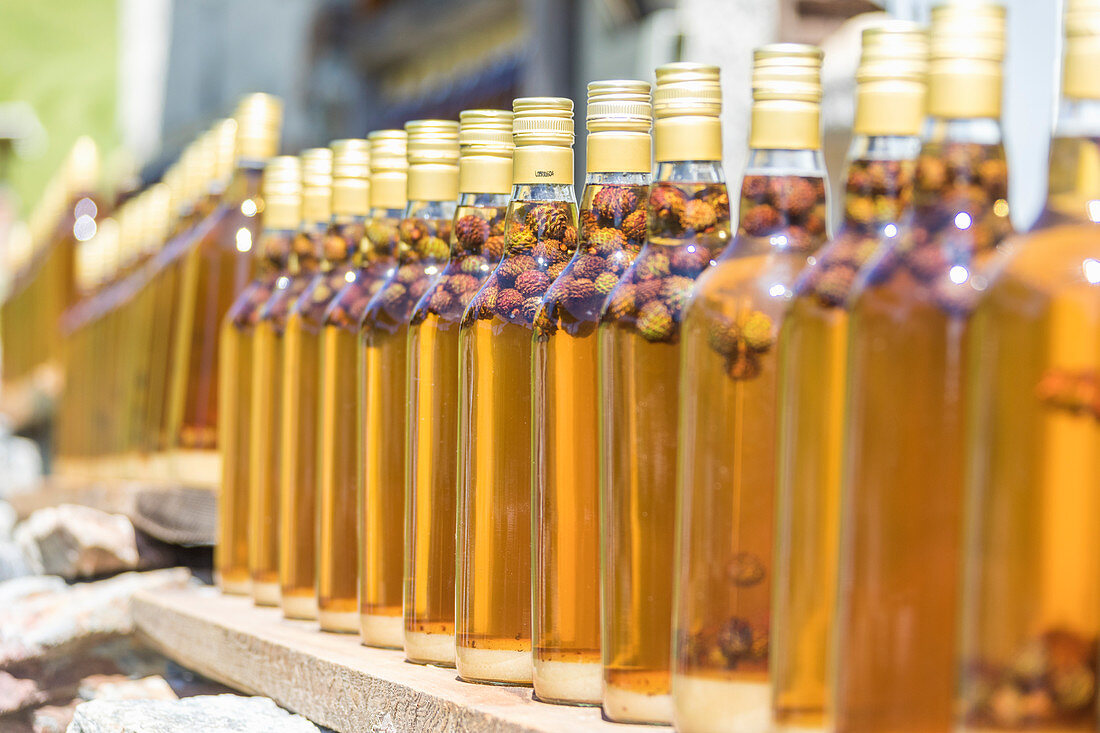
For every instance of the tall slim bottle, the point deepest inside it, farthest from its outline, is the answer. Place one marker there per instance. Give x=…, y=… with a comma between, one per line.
x=493, y=611
x=337, y=605
x=728, y=398
x=218, y=266
x=422, y=252
x=239, y=531
x=298, y=383
x=639, y=378
x=1031, y=593
x=812, y=352
x=566, y=532
x=265, y=400
x=340, y=422
x=901, y=493
x=477, y=244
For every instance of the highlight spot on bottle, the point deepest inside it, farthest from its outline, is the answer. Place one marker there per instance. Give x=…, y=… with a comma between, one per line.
x=1092, y=270
x=349, y=276
x=84, y=228
x=963, y=220
x=244, y=240
x=777, y=290
x=958, y=274
x=1000, y=207
x=248, y=207
x=85, y=207
x=1094, y=210
x=890, y=230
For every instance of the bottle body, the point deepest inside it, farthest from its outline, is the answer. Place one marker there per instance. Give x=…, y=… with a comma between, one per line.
x=904, y=433
x=639, y=377
x=813, y=362
x=566, y=622
x=493, y=608
x=422, y=251
x=432, y=429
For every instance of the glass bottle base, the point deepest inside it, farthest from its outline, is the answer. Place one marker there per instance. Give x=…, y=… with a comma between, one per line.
x=387, y=632
x=494, y=666
x=707, y=705
x=197, y=468
x=266, y=594
x=340, y=622
x=569, y=683
x=235, y=587
x=425, y=648
x=300, y=607
x=628, y=706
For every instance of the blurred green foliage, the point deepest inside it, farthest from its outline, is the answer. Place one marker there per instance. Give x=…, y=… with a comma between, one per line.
x=61, y=57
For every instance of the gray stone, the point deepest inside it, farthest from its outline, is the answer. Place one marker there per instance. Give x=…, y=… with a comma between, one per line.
x=13, y=563
x=77, y=542
x=55, y=623
x=53, y=718
x=210, y=714
x=26, y=588
x=121, y=687
x=8, y=519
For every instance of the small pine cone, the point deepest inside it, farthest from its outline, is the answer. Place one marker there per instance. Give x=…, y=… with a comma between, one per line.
x=589, y=266
x=569, y=236
x=612, y=203
x=689, y=263
x=623, y=302
x=757, y=332
x=508, y=302
x=676, y=291
x=487, y=301
x=435, y=248
x=834, y=284
x=647, y=290
x=605, y=241
x=743, y=365
x=512, y=267
x=532, y=283
x=412, y=230
x=754, y=188
x=993, y=174
x=580, y=289
x=393, y=294
x=497, y=227
x=418, y=287
x=441, y=301
x=381, y=235
x=471, y=231
x=799, y=240
x=605, y=283
x=530, y=308
x=520, y=239
x=634, y=226
x=699, y=216
x=474, y=265
x=556, y=269
x=792, y=194
x=407, y=274
x=545, y=251
x=375, y=287
x=723, y=335
x=655, y=321
x=494, y=247
x=461, y=283
x=760, y=221
x=589, y=222
x=721, y=204
x=667, y=204
x=548, y=220
x=654, y=265
x=619, y=261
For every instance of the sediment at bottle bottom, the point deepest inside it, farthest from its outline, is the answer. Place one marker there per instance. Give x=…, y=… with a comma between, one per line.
x=424, y=648
x=341, y=622
x=499, y=666
x=627, y=706
x=266, y=594
x=577, y=683
x=708, y=705
x=296, y=606
x=387, y=632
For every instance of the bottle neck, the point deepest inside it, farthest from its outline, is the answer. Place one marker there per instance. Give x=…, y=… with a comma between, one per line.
x=879, y=183
x=380, y=241
x=1073, y=187
x=424, y=232
x=341, y=243
x=962, y=157
x=244, y=185
x=783, y=198
x=620, y=179
x=690, y=171
x=274, y=249
x=308, y=249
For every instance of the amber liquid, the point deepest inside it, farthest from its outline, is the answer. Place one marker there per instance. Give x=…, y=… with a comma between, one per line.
x=566, y=443
x=904, y=462
x=165, y=317
x=639, y=378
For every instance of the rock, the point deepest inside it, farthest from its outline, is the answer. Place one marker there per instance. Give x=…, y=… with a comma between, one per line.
x=20, y=465
x=54, y=718
x=13, y=563
x=8, y=519
x=34, y=586
x=77, y=542
x=55, y=623
x=16, y=693
x=210, y=714
x=121, y=687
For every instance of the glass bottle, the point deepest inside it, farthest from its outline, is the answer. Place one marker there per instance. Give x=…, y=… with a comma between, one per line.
x=493, y=610
x=901, y=491
x=812, y=364
x=336, y=565
x=340, y=422
x=477, y=245
x=422, y=252
x=237, y=527
x=639, y=377
x=728, y=395
x=215, y=270
x=299, y=382
x=266, y=410
x=1030, y=614
x=566, y=571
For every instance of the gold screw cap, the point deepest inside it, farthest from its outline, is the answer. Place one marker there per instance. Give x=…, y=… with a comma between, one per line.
x=966, y=48
x=82, y=167
x=891, y=91
x=316, y=185
x=389, y=169
x=786, y=93
x=543, y=132
x=619, y=118
x=224, y=133
x=350, y=177
x=486, y=148
x=1082, y=54
x=433, y=160
x=282, y=192
x=687, y=88
x=259, y=125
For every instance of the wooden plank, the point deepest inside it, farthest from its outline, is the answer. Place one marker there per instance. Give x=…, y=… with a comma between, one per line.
x=333, y=680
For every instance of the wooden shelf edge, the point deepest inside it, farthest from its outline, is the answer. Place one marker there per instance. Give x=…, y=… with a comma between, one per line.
x=333, y=680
